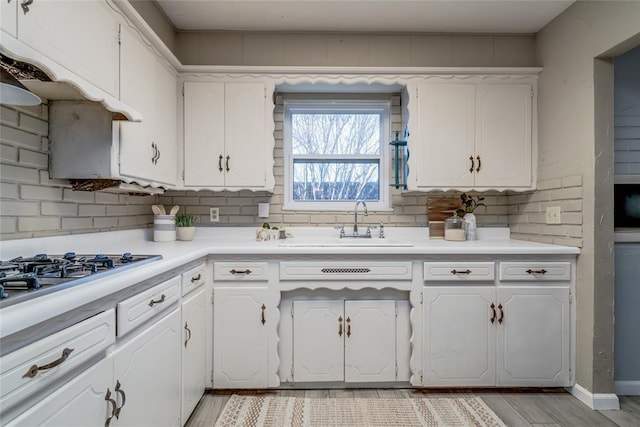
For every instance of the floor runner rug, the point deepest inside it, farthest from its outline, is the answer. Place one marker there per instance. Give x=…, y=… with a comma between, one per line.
x=279, y=411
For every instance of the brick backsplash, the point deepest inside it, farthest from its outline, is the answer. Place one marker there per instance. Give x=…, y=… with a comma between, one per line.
x=33, y=205
x=527, y=212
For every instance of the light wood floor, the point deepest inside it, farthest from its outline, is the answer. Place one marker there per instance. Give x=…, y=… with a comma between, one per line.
x=555, y=408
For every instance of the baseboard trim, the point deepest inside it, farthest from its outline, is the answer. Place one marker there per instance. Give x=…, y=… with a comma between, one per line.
x=627, y=388
x=595, y=401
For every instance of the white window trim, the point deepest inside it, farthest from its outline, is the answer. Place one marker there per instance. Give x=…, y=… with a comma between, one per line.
x=384, y=204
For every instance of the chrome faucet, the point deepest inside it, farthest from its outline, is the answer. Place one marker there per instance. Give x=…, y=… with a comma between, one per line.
x=355, y=215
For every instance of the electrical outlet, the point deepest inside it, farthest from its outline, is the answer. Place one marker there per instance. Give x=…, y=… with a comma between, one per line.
x=214, y=214
x=553, y=215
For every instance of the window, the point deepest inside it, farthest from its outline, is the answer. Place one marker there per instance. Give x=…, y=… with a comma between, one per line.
x=335, y=154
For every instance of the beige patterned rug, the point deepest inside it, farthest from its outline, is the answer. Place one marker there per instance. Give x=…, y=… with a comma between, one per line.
x=281, y=411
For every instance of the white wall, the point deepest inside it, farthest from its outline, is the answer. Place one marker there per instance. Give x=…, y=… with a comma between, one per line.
x=575, y=113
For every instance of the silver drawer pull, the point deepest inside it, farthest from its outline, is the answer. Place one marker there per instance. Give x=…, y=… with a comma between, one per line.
x=240, y=272
x=196, y=278
x=157, y=301
x=530, y=271
x=33, y=370
x=467, y=271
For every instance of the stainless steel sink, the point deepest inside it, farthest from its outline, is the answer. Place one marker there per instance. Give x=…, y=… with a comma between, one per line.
x=344, y=242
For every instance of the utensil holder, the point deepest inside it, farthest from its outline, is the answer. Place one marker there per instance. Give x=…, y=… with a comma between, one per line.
x=164, y=228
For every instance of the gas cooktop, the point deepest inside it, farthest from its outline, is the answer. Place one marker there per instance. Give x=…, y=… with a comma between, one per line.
x=22, y=278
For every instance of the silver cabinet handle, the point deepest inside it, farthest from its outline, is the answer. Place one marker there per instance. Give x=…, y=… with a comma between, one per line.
x=119, y=390
x=34, y=369
x=188, y=331
x=157, y=301
x=114, y=407
x=25, y=5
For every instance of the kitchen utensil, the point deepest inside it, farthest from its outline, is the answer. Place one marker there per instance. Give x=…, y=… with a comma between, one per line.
x=156, y=210
x=174, y=210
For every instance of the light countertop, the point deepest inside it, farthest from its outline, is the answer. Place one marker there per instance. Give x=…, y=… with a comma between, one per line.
x=229, y=241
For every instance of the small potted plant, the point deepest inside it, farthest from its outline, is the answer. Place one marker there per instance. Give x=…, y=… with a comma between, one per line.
x=185, y=226
x=470, y=204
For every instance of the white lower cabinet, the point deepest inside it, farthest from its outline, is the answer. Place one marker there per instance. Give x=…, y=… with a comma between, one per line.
x=241, y=325
x=82, y=402
x=505, y=336
x=193, y=346
x=351, y=341
x=147, y=375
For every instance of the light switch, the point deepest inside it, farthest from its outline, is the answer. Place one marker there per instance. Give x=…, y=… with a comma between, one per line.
x=263, y=210
x=553, y=215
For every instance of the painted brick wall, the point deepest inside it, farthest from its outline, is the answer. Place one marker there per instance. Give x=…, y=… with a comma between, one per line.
x=527, y=212
x=33, y=205
x=241, y=208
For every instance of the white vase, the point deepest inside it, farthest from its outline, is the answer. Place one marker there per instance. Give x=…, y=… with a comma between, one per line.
x=472, y=229
x=185, y=233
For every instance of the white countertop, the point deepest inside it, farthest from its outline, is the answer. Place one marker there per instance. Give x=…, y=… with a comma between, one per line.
x=227, y=241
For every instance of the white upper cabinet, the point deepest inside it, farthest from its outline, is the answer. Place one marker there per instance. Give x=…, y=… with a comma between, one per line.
x=446, y=136
x=147, y=149
x=503, y=136
x=80, y=35
x=228, y=143
x=9, y=17
x=472, y=136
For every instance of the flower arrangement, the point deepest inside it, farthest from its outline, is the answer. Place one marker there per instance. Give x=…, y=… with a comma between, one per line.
x=185, y=220
x=470, y=203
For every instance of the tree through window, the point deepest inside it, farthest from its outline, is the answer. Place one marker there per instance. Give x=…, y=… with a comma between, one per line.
x=336, y=153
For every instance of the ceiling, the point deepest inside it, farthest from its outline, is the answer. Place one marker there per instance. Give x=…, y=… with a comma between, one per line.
x=432, y=16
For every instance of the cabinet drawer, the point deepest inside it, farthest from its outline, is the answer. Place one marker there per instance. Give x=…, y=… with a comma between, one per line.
x=193, y=279
x=535, y=271
x=136, y=310
x=36, y=366
x=341, y=270
x=241, y=271
x=459, y=271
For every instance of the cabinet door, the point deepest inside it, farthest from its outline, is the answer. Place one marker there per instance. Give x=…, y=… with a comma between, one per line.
x=445, y=138
x=204, y=132
x=79, y=35
x=459, y=337
x=9, y=17
x=503, y=135
x=194, y=318
x=165, y=132
x=147, y=369
x=81, y=402
x=318, y=340
x=241, y=323
x=533, y=338
x=245, y=145
x=137, y=88
x=370, y=341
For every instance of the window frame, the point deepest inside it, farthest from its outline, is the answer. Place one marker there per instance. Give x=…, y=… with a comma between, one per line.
x=325, y=105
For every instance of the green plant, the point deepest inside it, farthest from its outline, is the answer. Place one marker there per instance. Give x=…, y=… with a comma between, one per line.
x=185, y=220
x=470, y=204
